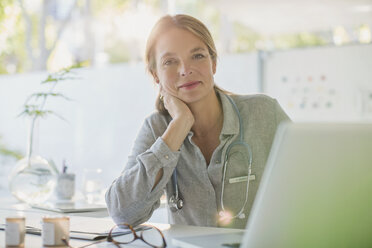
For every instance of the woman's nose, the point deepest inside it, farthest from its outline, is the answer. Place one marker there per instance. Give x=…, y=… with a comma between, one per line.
x=185, y=70
x=185, y=73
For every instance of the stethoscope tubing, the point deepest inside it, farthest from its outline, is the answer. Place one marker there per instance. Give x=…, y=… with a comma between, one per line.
x=224, y=176
x=238, y=142
x=174, y=182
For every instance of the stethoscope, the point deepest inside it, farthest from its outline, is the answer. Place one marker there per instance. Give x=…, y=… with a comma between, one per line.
x=176, y=202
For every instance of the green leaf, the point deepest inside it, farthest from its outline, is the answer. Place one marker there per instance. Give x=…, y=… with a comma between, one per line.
x=43, y=113
x=50, y=78
x=60, y=95
x=38, y=95
x=54, y=80
x=24, y=112
x=30, y=110
x=33, y=110
x=10, y=153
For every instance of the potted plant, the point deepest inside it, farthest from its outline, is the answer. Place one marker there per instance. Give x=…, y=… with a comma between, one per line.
x=34, y=178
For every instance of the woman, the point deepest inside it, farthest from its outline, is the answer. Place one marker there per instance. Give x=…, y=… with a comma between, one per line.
x=182, y=147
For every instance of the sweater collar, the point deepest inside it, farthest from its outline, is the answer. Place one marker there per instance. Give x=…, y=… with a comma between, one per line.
x=230, y=117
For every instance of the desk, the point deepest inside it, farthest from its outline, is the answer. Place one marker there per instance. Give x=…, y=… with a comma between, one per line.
x=10, y=207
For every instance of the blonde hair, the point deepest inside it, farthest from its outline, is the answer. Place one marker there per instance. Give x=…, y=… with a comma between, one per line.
x=185, y=22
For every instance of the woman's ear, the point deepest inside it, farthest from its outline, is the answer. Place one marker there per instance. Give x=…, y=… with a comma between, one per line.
x=214, y=66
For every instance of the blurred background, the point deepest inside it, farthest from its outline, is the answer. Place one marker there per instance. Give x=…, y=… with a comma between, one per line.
x=315, y=57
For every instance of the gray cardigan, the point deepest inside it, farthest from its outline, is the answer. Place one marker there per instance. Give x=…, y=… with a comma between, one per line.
x=130, y=199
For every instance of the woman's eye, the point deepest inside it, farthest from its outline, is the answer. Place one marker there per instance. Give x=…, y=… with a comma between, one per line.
x=199, y=56
x=168, y=62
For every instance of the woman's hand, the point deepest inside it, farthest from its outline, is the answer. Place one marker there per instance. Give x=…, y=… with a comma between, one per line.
x=182, y=120
x=176, y=107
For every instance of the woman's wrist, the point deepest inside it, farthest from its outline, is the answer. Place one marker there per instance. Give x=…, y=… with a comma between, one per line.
x=177, y=131
x=185, y=119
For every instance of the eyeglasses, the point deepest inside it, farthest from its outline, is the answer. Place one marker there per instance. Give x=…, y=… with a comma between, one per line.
x=152, y=237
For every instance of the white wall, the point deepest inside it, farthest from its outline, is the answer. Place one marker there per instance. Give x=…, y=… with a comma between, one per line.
x=238, y=73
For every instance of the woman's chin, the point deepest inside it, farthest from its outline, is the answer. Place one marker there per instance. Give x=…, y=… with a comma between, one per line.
x=192, y=99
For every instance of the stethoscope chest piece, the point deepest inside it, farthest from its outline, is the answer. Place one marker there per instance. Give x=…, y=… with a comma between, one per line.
x=175, y=203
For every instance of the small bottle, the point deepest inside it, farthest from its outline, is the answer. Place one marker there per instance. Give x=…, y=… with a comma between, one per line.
x=15, y=232
x=65, y=184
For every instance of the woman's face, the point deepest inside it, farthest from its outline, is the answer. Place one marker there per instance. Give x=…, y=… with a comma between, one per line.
x=184, y=67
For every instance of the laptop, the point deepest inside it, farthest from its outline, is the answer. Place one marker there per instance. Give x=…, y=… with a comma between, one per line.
x=316, y=191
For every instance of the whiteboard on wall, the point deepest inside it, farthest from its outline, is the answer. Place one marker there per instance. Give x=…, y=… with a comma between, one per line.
x=322, y=83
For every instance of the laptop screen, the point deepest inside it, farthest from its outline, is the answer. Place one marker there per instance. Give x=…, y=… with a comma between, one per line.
x=316, y=190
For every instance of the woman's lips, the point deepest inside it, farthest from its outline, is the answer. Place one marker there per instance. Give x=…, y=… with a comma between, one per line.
x=189, y=85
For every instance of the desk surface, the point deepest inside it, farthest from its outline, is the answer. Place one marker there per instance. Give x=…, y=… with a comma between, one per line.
x=91, y=221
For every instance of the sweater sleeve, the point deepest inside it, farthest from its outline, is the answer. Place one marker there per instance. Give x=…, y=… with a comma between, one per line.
x=130, y=198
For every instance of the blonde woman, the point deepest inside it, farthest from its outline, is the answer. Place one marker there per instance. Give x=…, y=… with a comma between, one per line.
x=205, y=147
